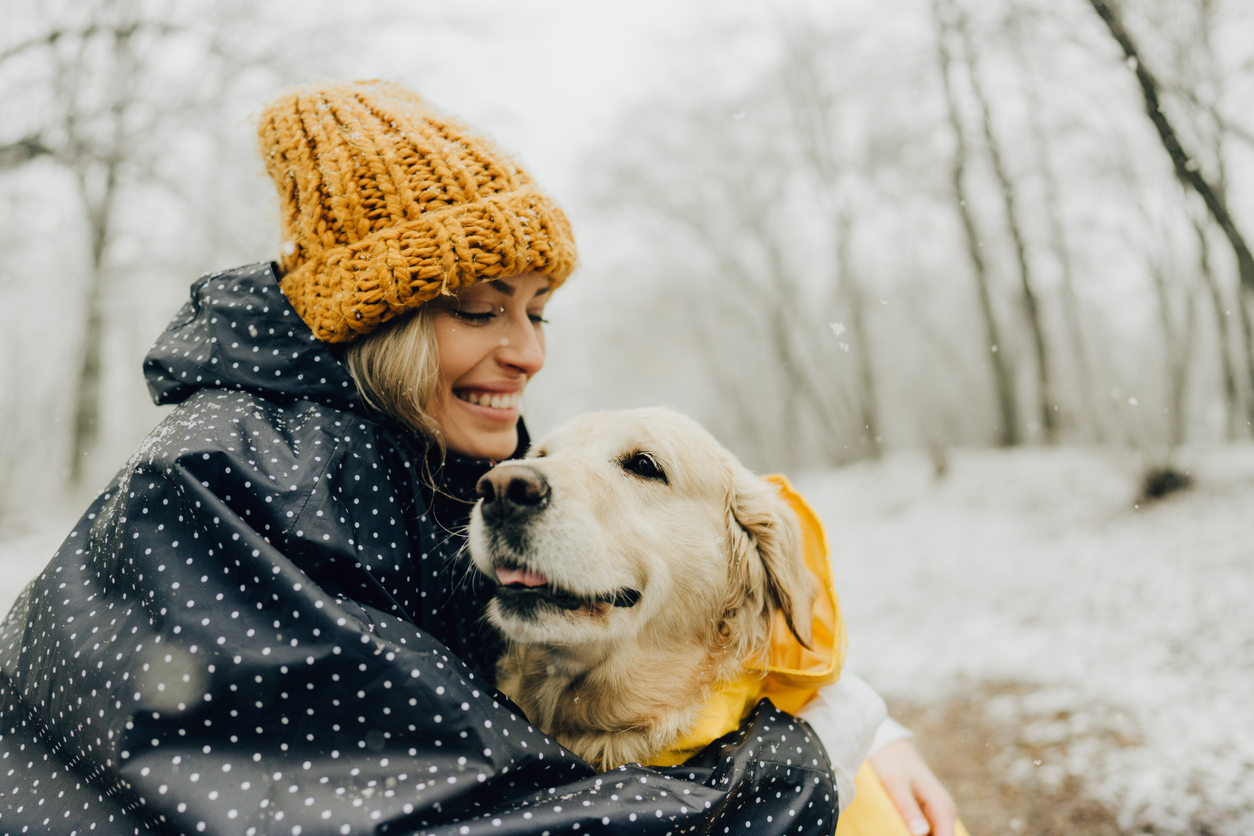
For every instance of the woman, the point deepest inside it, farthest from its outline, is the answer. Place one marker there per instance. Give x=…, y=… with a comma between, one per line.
x=261, y=625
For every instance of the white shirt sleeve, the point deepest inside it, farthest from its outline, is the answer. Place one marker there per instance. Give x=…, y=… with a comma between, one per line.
x=889, y=731
x=847, y=717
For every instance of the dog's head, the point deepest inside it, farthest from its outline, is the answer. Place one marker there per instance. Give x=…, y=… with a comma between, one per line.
x=623, y=522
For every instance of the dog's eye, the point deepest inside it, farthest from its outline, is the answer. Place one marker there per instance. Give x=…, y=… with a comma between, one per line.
x=642, y=464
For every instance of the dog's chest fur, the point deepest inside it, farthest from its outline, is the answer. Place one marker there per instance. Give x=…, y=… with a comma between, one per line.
x=613, y=713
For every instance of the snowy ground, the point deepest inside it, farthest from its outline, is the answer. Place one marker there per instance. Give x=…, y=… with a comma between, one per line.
x=1129, y=629
x=1132, y=627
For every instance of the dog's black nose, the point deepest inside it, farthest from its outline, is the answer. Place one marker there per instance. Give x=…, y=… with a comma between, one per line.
x=512, y=490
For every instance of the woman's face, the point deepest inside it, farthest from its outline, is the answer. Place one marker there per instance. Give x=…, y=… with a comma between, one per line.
x=491, y=341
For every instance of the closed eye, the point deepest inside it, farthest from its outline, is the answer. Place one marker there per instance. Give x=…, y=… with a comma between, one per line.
x=644, y=465
x=472, y=317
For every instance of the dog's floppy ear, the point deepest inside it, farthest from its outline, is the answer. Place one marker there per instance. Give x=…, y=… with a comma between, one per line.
x=766, y=543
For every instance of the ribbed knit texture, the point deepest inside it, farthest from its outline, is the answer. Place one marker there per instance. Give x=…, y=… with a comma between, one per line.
x=386, y=203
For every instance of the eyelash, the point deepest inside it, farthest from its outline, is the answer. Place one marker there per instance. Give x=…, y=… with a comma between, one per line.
x=471, y=317
x=483, y=318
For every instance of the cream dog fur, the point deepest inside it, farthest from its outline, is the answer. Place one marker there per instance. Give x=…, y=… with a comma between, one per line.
x=638, y=564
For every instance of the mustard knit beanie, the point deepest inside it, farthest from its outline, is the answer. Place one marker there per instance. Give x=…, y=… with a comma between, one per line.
x=386, y=203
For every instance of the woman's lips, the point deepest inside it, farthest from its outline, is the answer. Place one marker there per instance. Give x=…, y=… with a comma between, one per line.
x=491, y=400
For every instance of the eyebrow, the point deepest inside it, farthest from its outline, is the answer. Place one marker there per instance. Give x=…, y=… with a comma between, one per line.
x=508, y=289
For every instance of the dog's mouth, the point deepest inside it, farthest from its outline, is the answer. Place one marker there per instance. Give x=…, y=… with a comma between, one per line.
x=523, y=588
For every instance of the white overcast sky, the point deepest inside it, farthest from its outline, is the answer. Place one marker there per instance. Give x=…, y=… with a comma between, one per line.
x=545, y=78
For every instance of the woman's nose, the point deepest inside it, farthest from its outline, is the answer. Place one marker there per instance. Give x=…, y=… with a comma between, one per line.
x=522, y=346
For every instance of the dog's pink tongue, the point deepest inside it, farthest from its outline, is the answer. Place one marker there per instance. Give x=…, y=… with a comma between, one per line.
x=526, y=577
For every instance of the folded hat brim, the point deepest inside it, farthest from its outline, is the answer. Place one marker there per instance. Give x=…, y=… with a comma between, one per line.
x=348, y=291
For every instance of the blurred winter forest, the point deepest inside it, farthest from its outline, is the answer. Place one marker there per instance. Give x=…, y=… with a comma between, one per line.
x=827, y=230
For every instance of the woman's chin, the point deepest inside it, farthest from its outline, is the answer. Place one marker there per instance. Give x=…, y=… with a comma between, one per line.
x=478, y=432
x=497, y=446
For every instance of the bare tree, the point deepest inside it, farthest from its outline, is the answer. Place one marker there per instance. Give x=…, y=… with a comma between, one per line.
x=1231, y=391
x=1205, y=89
x=1031, y=308
x=1179, y=340
x=1041, y=142
x=813, y=199
x=1186, y=166
x=1196, y=79
x=108, y=90
x=1003, y=380
x=724, y=192
x=813, y=107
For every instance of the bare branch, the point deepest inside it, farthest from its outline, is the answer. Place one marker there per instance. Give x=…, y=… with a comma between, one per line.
x=1227, y=126
x=1186, y=167
x=16, y=154
x=53, y=36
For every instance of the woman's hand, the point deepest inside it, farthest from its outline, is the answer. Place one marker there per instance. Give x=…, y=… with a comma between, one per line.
x=924, y=804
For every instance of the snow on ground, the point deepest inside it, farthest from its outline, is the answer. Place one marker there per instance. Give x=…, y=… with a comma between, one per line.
x=1132, y=626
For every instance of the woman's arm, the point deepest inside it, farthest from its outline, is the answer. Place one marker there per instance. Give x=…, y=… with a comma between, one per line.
x=916, y=792
x=846, y=716
x=852, y=722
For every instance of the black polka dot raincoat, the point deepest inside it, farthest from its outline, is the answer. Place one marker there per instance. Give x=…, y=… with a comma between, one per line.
x=265, y=624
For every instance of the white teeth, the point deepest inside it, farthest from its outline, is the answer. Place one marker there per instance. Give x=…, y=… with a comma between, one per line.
x=492, y=401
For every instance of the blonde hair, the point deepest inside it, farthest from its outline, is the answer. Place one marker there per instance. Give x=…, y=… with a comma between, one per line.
x=396, y=368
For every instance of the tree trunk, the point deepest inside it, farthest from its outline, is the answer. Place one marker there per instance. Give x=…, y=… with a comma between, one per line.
x=738, y=405
x=813, y=113
x=787, y=313
x=1243, y=303
x=867, y=404
x=88, y=391
x=1090, y=403
x=780, y=328
x=1221, y=128
x=1070, y=303
x=1030, y=306
x=1177, y=352
x=1003, y=384
x=1231, y=393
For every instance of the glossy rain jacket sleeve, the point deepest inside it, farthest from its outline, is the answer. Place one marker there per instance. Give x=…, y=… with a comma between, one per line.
x=248, y=632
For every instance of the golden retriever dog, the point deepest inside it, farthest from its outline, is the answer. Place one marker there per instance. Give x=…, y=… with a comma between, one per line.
x=638, y=564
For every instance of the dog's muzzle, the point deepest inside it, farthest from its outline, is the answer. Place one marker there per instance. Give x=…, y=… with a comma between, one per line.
x=510, y=496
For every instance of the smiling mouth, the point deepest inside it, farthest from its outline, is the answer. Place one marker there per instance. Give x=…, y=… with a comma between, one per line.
x=489, y=399
x=523, y=589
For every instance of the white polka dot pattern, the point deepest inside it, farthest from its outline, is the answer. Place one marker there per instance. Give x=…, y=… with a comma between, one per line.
x=265, y=625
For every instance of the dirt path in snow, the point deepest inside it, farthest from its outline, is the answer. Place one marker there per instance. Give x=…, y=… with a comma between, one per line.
x=1005, y=778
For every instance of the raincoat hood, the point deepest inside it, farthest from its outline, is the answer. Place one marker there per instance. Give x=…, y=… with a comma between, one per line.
x=238, y=331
